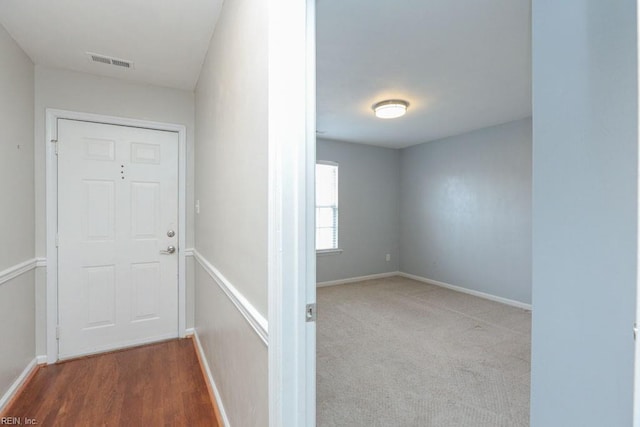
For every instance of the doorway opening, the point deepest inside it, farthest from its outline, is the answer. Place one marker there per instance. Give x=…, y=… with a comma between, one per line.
x=430, y=323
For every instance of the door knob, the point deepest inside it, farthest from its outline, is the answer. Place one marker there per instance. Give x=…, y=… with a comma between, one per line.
x=170, y=249
x=171, y=233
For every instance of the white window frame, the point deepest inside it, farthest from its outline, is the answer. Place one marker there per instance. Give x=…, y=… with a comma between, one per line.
x=337, y=249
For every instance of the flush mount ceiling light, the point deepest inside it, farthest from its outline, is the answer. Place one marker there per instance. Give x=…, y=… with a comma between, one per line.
x=390, y=109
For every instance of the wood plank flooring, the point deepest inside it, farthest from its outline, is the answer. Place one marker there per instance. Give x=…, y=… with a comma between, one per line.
x=155, y=385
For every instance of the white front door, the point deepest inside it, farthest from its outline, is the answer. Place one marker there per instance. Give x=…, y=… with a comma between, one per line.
x=117, y=217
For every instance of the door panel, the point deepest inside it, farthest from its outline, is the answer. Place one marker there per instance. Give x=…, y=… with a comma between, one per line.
x=117, y=201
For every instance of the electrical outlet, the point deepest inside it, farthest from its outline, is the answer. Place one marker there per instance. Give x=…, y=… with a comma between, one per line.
x=388, y=257
x=198, y=206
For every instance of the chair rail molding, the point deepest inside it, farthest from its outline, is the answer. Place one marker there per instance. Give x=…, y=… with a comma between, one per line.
x=256, y=320
x=19, y=269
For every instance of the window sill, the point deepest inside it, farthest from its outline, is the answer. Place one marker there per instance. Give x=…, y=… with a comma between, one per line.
x=324, y=252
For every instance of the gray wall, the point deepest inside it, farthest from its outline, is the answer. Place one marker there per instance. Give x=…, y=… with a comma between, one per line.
x=17, y=301
x=16, y=143
x=368, y=228
x=71, y=90
x=466, y=210
x=231, y=184
x=585, y=174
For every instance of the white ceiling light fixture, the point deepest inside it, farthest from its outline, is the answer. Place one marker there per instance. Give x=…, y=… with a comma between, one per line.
x=390, y=109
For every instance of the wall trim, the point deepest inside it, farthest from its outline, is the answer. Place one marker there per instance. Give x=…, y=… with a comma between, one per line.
x=17, y=270
x=357, y=279
x=211, y=384
x=189, y=252
x=484, y=295
x=256, y=320
x=41, y=262
x=16, y=387
x=291, y=257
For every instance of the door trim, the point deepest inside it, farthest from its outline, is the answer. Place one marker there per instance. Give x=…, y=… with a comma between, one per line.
x=51, y=134
x=291, y=213
x=636, y=325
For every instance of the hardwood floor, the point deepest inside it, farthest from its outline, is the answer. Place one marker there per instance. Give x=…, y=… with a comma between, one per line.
x=155, y=385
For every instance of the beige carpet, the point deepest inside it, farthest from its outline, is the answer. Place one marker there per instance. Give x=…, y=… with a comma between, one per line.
x=396, y=352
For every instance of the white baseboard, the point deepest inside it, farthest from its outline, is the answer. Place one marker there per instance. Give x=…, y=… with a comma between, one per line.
x=189, y=332
x=41, y=359
x=357, y=279
x=17, y=383
x=484, y=295
x=210, y=380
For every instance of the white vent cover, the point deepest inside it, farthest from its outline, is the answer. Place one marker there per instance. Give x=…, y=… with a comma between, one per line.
x=104, y=59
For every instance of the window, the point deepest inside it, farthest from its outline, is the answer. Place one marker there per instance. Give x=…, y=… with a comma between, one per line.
x=326, y=206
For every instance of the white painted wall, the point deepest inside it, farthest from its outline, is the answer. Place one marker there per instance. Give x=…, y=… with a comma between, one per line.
x=231, y=183
x=17, y=328
x=16, y=143
x=238, y=360
x=17, y=303
x=466, y=210
x=585, y=212
x=69, y=90
x=369, y=208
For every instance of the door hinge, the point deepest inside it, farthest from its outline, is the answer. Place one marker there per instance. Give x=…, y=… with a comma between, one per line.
x=311, y=312
x=55, y=146
x=58, y=332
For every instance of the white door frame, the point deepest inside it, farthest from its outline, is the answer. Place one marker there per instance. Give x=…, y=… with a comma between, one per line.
x=636, y=326
x=291, y=224
x=51, y=136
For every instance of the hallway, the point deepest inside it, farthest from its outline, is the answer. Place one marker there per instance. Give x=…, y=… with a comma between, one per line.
x=157, y=384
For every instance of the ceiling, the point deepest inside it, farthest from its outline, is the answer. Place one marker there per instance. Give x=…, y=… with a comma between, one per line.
x=166, y=39
x=462, y=65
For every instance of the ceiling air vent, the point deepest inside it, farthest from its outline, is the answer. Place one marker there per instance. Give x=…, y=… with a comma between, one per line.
x=121, y=63
x=104, y=59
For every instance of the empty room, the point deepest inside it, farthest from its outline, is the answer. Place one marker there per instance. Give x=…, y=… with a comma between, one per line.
x=423, y=213
x=293, y=213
